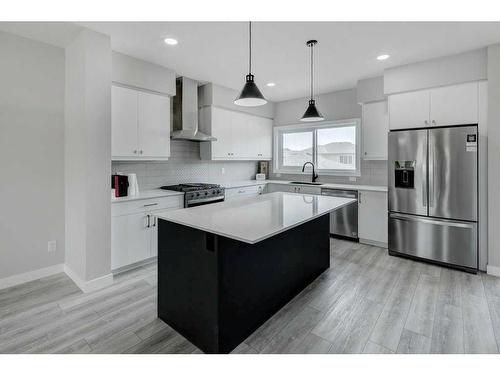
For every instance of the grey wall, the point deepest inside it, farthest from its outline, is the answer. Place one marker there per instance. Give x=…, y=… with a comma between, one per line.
x=449, y=70
x=88, y=155
x=31, y=154
x=493, y=156
x=220, y=96
x=133, y=72
x=370, y=90
x=336, y=105
x=185, y=165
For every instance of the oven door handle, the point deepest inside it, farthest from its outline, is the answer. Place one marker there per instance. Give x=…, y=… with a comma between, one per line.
x=205, y=200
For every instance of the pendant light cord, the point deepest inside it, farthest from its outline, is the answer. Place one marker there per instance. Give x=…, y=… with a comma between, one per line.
x=312, y=70
x=250, y=47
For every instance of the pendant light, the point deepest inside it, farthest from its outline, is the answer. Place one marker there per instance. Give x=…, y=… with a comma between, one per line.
x=312, y=114
x=250, y=96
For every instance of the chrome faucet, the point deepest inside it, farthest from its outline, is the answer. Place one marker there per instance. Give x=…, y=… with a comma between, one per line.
x=314, y=175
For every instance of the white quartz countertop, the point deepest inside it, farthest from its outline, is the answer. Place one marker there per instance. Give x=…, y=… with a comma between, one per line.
x=253, y=219
x=147, y=194
x=242, y=183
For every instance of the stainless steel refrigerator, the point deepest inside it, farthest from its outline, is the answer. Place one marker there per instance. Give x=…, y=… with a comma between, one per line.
x=433, y=204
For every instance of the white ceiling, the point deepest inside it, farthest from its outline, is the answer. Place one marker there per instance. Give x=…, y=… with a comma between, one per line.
x=218, y=51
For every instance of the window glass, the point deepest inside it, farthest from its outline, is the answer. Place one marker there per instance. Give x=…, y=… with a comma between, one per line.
x=337, y=148
x=297, y=148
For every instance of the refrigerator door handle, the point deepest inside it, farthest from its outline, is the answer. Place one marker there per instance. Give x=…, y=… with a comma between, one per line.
x=445, y=223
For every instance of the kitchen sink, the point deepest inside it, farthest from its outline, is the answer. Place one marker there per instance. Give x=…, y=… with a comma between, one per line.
x=306, y=183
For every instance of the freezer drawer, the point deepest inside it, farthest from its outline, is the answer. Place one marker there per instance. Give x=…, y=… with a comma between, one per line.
x=453, y=242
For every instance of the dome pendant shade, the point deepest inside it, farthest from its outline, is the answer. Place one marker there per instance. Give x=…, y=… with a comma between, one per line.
x=250, y=96
x=312, y=114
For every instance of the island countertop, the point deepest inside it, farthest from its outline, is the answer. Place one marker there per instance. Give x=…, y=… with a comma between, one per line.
x=254, y=219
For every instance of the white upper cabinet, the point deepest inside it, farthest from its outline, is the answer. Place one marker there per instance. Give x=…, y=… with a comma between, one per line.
x=123, y=122
x=409, y=110
x=140, y=125
x=240, y=136
x=450, y=105
x=454, y=105
x=374, y=129
x=154, y=125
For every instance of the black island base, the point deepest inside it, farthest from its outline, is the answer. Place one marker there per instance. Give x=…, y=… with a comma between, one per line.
x=216, y=291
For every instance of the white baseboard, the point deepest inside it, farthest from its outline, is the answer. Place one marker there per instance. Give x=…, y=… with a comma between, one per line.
x=91, y=285
x=30, y=276
x=492, y=270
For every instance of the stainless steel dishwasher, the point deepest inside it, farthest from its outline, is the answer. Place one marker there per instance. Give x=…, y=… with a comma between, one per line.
x=344, y=221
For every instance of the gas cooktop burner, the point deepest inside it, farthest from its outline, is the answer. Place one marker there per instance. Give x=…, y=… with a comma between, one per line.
x=191, y=187
x=198, y=194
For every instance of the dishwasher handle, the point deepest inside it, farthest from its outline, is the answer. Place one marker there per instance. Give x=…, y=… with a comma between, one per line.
x=340, y=193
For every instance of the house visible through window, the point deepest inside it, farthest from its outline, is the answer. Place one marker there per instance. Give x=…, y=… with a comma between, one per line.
x=332, y=147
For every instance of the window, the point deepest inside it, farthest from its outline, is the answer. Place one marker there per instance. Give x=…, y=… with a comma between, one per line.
x=333, y=147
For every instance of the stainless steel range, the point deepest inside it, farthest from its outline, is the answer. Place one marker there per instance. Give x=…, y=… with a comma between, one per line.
x=198, y=194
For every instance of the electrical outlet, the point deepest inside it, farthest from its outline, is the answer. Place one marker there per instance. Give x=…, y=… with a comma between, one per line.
x=223, y=170
x=52, y=246
x=353, y=179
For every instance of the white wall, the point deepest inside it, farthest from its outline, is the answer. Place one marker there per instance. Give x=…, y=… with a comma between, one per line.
x=465, y=67
x=494, y=158
x=88, y=157
x=370, y=90
x=31, y=154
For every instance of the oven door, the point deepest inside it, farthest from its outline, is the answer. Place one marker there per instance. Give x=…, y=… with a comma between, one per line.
x=201, y=202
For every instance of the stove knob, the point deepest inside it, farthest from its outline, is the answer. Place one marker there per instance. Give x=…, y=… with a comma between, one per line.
x=197, y=194
x=206, y=193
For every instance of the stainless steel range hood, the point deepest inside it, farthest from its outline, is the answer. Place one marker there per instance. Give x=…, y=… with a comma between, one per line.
x=185, y=112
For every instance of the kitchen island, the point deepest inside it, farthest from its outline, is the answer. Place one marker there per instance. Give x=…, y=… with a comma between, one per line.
x=225, y=268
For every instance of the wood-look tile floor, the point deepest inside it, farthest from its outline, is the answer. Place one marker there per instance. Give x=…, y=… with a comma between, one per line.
x=367, y=302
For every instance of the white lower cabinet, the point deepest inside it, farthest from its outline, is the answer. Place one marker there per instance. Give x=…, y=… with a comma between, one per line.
x=372, y=217
x=134, y=229
x=291, y=188
x=245, y=191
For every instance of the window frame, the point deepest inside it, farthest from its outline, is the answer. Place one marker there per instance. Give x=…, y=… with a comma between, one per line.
x=278, y=166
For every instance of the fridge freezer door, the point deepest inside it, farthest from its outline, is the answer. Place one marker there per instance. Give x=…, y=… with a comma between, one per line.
x=453, y=173
x=452, y=242
x=408, y=171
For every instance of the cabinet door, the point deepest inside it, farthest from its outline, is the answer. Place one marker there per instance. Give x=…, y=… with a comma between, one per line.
x=154, y=125
x=130, y=239
x=222, y=124
x=455, y=105
x=243, y=136
x=374, y=129
x=372, y=217
x=264, y=137
x=123, y=122
x=409, y=110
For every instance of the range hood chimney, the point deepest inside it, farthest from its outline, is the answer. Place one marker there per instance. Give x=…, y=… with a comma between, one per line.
x=185, y=112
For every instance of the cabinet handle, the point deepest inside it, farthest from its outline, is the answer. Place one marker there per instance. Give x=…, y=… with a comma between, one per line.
x=149, y=221
x=140, y=152
x=154, y=221
x=434, y=122
x=135, y=151
x=426, y=122
x=150, y=204
x=241, y=191
x=359, y=197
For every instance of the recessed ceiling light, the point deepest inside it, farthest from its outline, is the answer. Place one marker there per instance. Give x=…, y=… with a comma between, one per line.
x=271, y=84
x=383, y=57
x=171, y=41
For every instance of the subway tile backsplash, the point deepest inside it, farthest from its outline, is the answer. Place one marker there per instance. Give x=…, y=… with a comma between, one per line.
x=185, y=166
x=373, y=172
